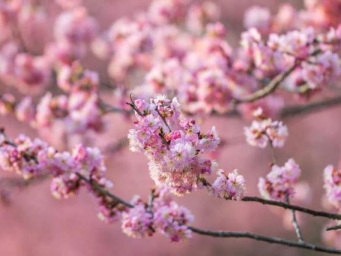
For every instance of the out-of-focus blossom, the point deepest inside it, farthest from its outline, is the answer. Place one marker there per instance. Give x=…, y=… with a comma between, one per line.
x=258, y=17
x=263, y=131
x=332, y=185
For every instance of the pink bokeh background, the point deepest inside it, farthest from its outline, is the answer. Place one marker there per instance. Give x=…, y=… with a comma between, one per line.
x=36, y=224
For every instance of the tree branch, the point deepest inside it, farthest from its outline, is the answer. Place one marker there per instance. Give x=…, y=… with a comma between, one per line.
x=274, y=83
x=295, y=224
x=253, y=236
x=274, y=240
x=314, y=213
x=102, y=191
x=337, y=227
x=272, y=86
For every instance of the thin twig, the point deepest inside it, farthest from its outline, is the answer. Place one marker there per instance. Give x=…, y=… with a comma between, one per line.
x=293, y=214
x=164, y=120
x=295, y=223
x=151, y=200
x=284, y=205
x=273, y=151
x=133, y=106
x=258, y=237
x=101, y=190
x=337, y=227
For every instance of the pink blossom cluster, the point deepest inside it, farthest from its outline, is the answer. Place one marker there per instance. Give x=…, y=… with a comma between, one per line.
x=202, y=79
x=174, y=155
x=34, y=158
x=9, y=11
x=74, y=30
x=280, y=181
x=78, y=109
x=324, y=69
x=164, y=215
x=211, y=75
x=230, y=186
x=173, y=146
x=332, y=185
x=30, y=74
x=171, y=219
x=319, y=64
x=151, y=36
x=321, y=14
x=264, y=130
x=137, y=222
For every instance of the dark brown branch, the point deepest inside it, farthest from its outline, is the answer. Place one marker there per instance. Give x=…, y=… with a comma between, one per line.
x=258, y=237
x=314, y=213
x=337, y=227
x=102, y=191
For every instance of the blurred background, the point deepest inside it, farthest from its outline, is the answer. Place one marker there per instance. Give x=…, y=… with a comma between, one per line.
x=36, y=224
